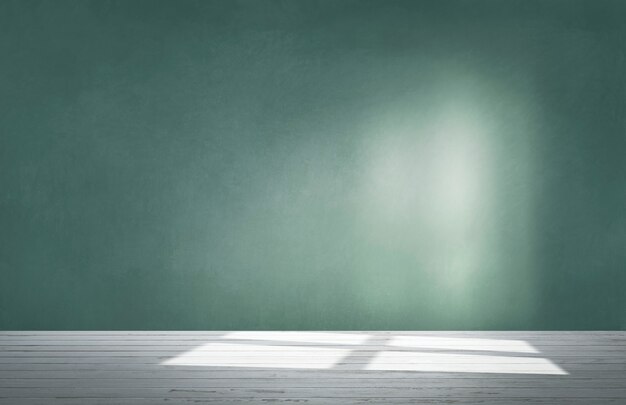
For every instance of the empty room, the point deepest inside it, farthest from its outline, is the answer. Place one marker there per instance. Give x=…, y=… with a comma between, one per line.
x=316, y=202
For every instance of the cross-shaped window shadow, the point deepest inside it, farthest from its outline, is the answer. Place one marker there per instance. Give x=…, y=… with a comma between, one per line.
x=368, y=351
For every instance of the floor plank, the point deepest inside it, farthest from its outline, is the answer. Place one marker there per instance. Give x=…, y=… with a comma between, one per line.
x=345, y=367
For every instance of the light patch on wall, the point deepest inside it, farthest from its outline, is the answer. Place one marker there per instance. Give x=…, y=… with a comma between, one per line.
x=457, y=175
x=428, y=188
x=435, y=167
x=460, y=196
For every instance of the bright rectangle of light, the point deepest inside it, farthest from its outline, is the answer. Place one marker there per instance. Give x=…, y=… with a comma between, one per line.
x=462, y=363
x=302, y=337
x=447, y=343
x=253, y=356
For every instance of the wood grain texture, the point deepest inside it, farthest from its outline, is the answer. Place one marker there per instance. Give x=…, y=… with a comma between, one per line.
x=132, y=368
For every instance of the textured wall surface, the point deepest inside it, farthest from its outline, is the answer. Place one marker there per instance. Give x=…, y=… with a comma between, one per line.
x=306, y=164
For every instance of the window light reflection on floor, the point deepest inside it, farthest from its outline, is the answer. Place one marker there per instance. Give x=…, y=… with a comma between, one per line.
x=448, y=343
x=361, y=351
x=303, y=337
x=243, y=355
x=461, y=363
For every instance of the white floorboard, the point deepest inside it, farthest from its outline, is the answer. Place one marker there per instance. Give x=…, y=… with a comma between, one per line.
x=63, y=367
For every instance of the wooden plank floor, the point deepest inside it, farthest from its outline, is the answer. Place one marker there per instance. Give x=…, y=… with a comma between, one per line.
x=313, y=367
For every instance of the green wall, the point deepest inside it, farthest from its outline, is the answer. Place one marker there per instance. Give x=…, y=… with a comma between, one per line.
x=307, y=164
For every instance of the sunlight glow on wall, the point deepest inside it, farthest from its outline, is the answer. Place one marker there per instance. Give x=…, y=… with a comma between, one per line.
x=458, y=174
x=429, y=194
